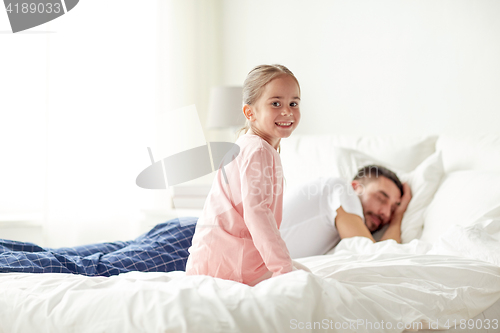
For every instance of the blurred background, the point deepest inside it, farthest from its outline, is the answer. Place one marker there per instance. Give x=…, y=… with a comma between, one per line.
x=83, y=96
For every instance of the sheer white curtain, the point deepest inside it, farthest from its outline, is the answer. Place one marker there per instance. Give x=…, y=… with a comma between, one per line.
x=77, y=114
x=23, y=126
x=84, y=96
x=102, y=64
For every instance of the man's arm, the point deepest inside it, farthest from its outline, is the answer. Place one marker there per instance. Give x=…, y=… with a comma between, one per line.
x=394, y=229
x=351, y=225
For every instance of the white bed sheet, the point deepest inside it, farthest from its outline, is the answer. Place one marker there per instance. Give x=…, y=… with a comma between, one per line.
x=360, y=283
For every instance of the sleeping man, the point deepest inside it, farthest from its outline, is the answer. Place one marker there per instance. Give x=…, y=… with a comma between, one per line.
x=318, y=214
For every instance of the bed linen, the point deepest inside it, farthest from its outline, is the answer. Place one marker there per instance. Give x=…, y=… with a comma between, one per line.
x=162, y=249
x=353, y=289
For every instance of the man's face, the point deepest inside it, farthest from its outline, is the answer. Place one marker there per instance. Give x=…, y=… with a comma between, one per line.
x=379, y=198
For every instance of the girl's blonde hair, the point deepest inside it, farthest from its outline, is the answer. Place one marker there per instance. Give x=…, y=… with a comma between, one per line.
x=255, y=82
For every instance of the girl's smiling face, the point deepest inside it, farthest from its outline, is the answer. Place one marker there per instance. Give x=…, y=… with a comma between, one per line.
x=276, y=113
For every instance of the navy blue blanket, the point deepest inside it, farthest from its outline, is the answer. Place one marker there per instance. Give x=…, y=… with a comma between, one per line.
x=163, y=249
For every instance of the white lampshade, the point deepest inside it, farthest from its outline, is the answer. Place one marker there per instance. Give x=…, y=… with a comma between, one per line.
x=225, y=109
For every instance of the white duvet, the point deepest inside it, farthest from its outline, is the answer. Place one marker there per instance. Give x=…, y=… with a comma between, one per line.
x=362, y=287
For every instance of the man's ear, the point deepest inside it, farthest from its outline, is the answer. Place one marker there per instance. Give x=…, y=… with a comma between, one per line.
x=248, y=112
x=357, y=186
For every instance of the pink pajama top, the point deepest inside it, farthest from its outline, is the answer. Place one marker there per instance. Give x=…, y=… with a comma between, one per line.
x=237, y=236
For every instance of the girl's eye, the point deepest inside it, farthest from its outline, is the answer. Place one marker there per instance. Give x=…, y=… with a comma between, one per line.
x=293, y=104
x=276, y=104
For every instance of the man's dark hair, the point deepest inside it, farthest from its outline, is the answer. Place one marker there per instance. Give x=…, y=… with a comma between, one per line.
x=376, y=171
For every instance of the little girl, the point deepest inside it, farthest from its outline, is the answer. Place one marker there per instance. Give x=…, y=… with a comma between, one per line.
x=237, y=236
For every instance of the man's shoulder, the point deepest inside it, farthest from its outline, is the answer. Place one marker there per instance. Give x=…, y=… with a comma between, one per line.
x=321, y=187
x=341, y=193
x=330, y=185
x=334, y=181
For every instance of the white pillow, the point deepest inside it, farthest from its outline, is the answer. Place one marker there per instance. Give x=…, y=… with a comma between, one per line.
x=472, y=152
x=302, y=155
x=403, y=153
x=463, y=198
x=344, y=163
x=424, y=181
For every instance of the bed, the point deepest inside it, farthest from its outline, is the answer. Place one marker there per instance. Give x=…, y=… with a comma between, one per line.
x=445, y=275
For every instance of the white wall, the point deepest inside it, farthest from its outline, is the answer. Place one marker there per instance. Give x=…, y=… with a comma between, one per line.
x=376, y=67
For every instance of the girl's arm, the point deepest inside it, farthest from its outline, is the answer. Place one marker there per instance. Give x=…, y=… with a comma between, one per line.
x=257, y=193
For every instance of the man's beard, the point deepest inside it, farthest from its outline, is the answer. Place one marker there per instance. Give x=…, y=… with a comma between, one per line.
x=380, y=225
